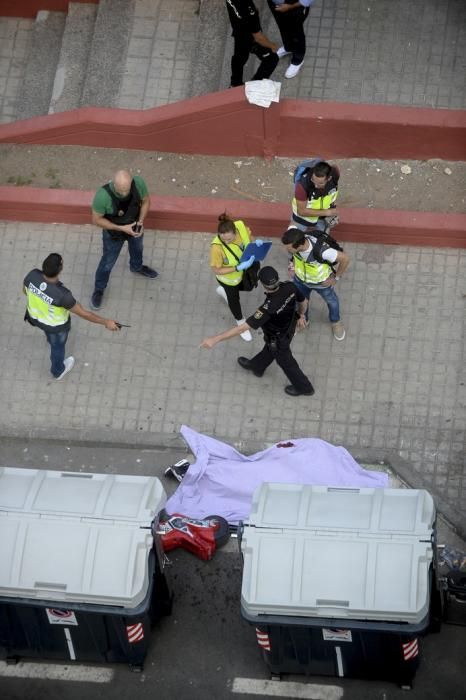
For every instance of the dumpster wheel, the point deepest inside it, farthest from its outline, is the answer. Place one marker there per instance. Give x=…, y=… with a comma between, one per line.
x=136, y=668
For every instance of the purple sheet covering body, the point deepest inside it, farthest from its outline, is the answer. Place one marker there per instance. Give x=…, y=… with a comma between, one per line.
x=222, y=481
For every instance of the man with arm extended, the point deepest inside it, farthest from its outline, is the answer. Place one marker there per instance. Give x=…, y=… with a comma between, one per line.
x=278, y=318
x=49, y=304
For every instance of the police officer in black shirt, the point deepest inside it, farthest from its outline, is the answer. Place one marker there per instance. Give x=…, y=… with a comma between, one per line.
x=248, y=36
x=278, y=318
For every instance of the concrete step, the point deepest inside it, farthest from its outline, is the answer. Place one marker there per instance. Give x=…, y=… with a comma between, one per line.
x=15, y=36
x=74, y=55
x=207, y=68
x=36, y=89
x=107, y=56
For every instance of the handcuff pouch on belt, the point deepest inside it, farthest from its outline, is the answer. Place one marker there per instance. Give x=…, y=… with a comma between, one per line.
x=273, y=341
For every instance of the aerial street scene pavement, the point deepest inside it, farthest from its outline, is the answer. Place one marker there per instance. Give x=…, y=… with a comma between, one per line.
x=233, y=403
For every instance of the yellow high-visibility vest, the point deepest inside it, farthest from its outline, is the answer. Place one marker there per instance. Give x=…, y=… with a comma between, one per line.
x=41, y=310
x=233, y=278
x=312, y=272
x=319, y=203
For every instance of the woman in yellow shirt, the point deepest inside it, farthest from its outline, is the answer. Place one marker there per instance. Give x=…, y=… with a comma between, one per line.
x=226, y=250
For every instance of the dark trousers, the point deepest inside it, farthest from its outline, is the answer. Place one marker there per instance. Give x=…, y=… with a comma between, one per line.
x=278, y=349
x=291, y=27
x=233, y=299
x=244, y=45
x=111, y=251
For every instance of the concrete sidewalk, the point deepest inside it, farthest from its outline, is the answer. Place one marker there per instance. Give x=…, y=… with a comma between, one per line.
x=394, y=390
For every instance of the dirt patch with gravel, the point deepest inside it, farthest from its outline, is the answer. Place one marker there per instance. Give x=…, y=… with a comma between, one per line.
x=432, y=185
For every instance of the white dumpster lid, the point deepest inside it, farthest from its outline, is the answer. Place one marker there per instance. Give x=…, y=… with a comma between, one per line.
x=405, y=511
x=134, y=499
x=68, y=560
x=312, y=552
x=76, y=538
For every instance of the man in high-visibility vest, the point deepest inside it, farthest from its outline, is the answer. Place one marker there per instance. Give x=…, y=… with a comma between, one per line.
x=315, y=194
x=49, y=304
x=320, y=271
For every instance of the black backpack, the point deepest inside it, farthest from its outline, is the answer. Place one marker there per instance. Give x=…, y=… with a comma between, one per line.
x=324, y=240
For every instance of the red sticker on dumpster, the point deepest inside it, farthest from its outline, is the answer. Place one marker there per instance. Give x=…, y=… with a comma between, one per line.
x=263, y=639
x=61, y=617
x=410, y=650
x=135, y=632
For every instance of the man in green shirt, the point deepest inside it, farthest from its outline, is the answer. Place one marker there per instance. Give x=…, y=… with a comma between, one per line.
x=120, y=208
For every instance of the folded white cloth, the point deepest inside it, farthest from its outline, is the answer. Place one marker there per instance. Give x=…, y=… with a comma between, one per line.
x=262, y=92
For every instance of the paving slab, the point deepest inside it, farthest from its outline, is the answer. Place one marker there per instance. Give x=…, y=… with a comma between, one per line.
x=394, y=389
x=15, y=38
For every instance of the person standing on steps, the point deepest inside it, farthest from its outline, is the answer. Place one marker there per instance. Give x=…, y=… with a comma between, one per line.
x=318, y=267
x=226, y=250
x=120, y=208
x=249, y=38
x=279, y=315
x=49, y=304
x=290, y=16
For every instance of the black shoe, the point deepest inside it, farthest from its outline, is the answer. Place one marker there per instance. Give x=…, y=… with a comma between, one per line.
x=96, y=299
x=178, y=470
x=146, y=272
x=246, y=364
x=293, y=391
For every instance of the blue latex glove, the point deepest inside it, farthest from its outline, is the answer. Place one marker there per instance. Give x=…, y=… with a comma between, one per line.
x=247, y=263
x=259, y=241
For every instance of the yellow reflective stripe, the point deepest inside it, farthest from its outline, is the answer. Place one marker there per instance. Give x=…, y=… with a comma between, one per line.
x=319, y=203
x=243, y=232
x=231, y=278
x=311, y=273
x=48, y=314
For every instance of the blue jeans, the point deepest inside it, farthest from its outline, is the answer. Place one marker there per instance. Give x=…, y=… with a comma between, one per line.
x=57, y=342
x=328, y=295
x=110, y=255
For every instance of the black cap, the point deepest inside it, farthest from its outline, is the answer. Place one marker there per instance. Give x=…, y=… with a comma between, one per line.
x=269, y=276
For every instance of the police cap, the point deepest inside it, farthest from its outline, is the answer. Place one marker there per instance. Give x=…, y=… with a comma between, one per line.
x=269, y=276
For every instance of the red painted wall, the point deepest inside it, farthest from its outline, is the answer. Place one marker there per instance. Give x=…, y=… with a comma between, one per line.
x=199, y=214
x=224, y=123
x=30, y=8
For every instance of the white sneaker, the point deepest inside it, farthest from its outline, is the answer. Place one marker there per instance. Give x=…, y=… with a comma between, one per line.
x=69, y=364
x=339, y=332
x=293, y=70
x=247, y=334
x=282, y=52
x=222, y=293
